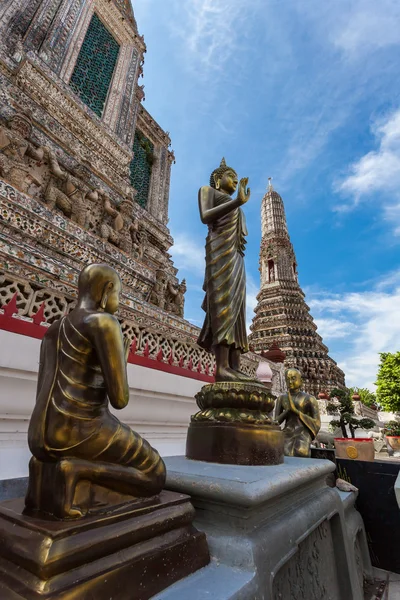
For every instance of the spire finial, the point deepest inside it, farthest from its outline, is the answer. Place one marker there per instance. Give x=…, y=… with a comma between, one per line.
x=270, y=188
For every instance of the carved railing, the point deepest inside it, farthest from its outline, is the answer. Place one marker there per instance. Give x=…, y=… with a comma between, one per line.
x=148, y=348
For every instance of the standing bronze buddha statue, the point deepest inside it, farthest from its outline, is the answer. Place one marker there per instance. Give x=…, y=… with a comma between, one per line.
x=233, y=425
x=224, y=329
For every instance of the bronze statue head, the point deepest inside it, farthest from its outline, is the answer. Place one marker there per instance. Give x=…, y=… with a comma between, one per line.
x=293, y=378
x=224, y=178
x=100, y=285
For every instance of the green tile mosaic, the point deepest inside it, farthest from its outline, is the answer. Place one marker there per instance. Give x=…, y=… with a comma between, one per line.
x=95, y=66
x=140, y=167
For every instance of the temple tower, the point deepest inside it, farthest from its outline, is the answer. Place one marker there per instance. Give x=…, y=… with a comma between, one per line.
x=282, y=315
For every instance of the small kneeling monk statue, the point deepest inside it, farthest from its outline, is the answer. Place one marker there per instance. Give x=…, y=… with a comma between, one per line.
x=300, y=412
x=79, y=448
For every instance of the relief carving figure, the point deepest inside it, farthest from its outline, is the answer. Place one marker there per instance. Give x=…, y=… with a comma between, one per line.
x=124, y=230
x=139, y=239
x=157, y=296
x=224, y=329
x=300, y=412
x=271, y=274
x=15, y=150
x=72, y=434
x=68, y=193
x=177, y=297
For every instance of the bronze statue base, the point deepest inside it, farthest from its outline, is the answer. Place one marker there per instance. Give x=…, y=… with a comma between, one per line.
x=233, y=425
x=130, y=553
x=235, y=443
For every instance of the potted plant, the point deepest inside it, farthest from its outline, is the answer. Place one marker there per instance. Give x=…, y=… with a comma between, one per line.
x=392, y=433
x=340, y=404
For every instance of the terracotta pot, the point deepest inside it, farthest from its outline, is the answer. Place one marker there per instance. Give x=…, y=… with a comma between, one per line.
x=394, y=442
x=355, y=448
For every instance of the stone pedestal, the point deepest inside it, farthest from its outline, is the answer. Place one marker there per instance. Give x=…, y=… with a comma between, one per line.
x=274, y=532
x=130, y=553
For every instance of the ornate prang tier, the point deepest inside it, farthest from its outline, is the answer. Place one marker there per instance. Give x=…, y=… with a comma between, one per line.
x=233, y=425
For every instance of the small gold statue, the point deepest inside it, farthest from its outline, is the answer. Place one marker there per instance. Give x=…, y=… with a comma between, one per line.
x=77, y=444
x=224, y=330
x=300, y=412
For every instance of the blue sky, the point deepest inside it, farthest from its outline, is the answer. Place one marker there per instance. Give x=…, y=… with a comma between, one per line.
x=307, y=92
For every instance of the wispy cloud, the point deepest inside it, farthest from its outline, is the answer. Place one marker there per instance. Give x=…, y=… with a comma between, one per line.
x=373, y=25
x=331, y=329
x=213, y=32
x=377, y=171
x=188, y=254
x=366, y=323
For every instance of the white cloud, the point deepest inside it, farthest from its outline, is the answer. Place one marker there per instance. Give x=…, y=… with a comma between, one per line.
x=377, y=171
x=373, y=324
x=188, y=255
x=367, y=25
x=331, y=329
x=213, y=31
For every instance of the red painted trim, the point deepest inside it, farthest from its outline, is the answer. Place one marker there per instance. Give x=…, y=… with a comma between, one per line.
x=22, y=327
x=31, y=329
x=354, y=439
x=151, y=363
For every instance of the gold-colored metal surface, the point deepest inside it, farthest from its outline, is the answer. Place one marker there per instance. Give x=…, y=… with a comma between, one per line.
x=300, y=412
x=234, y=425
x=235, y=443
x=224, y=329
x=82, y=454
x=130, y=553
x=235, y=402
x=351, y=452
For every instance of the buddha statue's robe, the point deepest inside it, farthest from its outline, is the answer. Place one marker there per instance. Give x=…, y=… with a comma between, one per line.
x=71, y=418
x=302, y=422
x=225, y=278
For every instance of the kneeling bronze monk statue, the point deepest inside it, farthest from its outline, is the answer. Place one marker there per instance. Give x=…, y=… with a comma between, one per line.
x=83, y=456
x=300, y=412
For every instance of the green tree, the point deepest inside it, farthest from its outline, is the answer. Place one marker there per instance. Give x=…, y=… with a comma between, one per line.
x=366, y=396
x=341, y=404
x=388, y=381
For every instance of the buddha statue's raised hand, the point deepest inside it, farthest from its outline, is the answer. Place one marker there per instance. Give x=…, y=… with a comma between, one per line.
x=243, y=193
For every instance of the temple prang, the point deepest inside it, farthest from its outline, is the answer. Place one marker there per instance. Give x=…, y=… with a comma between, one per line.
x=282, y=315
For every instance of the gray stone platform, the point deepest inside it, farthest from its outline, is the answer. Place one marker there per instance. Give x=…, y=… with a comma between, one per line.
x=275, y=532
